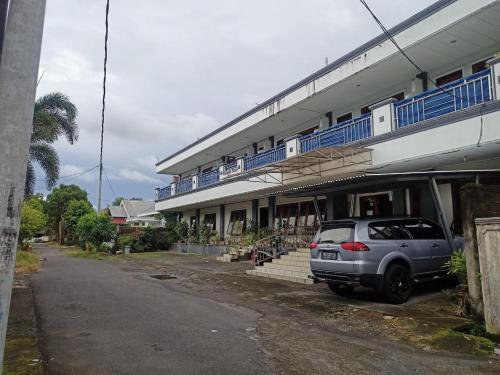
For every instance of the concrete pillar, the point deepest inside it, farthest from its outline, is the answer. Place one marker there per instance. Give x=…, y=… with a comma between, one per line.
x=222, y=219
x=383, y=116
x=488, y=238
x=495, y=76
x=477, y=201
x=337, y=206
x=271, y=141
x=198, y=216
x=399, y=202
x=18, y=72
x=292, y=146
x=255, y=212
x=271, y=211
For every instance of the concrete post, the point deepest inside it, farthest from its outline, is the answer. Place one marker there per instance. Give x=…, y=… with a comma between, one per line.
x=488, y=238
x=194, y=181
x=18, y=74
x=292, y=146
x=198, y=218
x=383, y=116
x=173, y=188
x=337, y=206
x=495, y=76
x=399, y=202
x=255, y=212
x=271, y=211
x=222, y=219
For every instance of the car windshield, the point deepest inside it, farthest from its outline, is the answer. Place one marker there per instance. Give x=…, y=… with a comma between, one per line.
x=336, y=233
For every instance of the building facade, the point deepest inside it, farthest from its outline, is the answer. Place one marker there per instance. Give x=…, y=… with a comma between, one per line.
x=353, y=138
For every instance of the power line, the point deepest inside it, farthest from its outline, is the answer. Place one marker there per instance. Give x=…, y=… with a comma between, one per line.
x=79, y=173
x=103, y=104
x=391, y=38
x=109, y=182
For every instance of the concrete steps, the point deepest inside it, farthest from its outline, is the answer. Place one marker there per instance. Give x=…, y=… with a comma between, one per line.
x=235, y=256
x=293, y=267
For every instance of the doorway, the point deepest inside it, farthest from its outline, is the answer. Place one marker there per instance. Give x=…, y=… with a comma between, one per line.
x=263, y=217
x=375, y=205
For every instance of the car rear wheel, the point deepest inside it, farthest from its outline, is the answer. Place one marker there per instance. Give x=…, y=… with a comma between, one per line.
x=397, y=284
x=340, y=289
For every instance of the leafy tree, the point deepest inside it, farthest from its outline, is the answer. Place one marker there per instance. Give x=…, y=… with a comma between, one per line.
x=33, y=222
x=117, y=201
x=58, y=201
x=76, y=209
x=36, y=201
x=96, y=228
x=182, y=229
x=135, y=199
x=54, y=116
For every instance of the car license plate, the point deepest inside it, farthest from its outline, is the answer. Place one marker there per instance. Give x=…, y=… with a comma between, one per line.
x=329, y=255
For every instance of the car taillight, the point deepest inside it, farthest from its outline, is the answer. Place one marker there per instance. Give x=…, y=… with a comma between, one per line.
x=354, y=246
x=313, y=245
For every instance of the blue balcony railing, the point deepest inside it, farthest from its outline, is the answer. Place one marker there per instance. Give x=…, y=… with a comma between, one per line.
x=455, y=96
x=452, y=97
x=208, y=178
x=270, y=156
x=343, y=133
x=184, y=186
x=164, y=192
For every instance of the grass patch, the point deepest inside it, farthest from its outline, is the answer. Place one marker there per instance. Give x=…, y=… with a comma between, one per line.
x=86, y=254
x=27, y=262
x=448, y=339
x=22, y=357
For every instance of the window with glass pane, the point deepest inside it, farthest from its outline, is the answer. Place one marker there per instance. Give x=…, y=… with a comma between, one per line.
x=386, y=230
x=423, y=230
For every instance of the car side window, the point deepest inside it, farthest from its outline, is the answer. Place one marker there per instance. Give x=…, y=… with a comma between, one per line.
x=424, y=230
x=386, y=230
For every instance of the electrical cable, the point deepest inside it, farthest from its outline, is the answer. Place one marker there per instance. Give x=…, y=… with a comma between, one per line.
x=415, y=65
x=109, y=182
x=79, y=173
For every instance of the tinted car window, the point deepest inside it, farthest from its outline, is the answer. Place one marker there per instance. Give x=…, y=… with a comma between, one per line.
x=386, y=230
x=423, y=230
x=336, y=233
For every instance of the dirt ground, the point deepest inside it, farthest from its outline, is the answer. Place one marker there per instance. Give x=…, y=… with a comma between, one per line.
x=308, y=329
x=302, y=328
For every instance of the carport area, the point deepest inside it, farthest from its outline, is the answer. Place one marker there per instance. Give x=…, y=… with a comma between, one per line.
x=433, y=195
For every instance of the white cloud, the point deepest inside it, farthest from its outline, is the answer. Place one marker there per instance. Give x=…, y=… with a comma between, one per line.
x=136, y=176
x=70, y=172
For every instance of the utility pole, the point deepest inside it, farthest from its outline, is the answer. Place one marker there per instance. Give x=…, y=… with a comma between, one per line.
x=18, y=73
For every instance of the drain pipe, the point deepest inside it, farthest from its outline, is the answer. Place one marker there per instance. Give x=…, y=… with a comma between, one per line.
x=440, y=210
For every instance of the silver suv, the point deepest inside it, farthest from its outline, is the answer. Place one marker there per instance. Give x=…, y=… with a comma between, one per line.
x=388, y=254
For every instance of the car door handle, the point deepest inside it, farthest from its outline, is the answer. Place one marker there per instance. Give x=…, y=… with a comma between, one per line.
x=404, y=245
x=435, y=245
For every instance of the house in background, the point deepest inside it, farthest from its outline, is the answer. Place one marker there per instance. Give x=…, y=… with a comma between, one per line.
x=135, y=213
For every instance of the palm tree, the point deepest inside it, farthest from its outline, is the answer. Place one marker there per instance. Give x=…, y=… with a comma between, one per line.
x=54, y=116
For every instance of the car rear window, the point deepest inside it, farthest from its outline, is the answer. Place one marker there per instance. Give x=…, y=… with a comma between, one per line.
x=336, y=233
x=386, y=230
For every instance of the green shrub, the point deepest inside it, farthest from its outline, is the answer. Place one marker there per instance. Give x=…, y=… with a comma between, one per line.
x=182, y=229
x=457, y=267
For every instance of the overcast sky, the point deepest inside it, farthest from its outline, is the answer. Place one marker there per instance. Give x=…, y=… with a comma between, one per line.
x=178, y=69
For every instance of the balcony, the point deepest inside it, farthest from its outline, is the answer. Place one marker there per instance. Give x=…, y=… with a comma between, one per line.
x=453, y=97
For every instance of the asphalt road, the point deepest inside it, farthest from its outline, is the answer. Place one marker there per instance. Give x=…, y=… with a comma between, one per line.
x=97, y=319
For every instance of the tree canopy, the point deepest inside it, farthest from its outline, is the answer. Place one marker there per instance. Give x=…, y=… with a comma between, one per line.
x=54, y=116
x=96, y=228
x=76, y=209
x=33, y=221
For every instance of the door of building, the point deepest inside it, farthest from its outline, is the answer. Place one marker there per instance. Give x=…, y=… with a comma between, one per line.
x=263, y=217
x=375, y=205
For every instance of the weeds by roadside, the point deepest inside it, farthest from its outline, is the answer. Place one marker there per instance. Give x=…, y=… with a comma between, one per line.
x=27, y=262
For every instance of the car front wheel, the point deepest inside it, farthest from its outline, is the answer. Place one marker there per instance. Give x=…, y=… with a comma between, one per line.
x=397, y=284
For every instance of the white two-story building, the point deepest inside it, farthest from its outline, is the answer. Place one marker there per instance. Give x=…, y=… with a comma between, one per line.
x=369, y=134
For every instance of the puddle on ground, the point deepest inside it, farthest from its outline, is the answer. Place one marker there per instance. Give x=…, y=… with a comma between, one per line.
x=163, y=276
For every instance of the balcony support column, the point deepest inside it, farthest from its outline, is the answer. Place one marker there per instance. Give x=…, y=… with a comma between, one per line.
x=424, y=77
x=255, y=212
x=399, y=202
x=222, y=218
x=197, y=220
x=271, y=211
x=495, y=77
